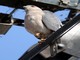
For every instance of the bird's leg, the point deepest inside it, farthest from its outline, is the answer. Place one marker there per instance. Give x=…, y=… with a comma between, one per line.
x=40, y=36
x=43, y=38
x=37, y=35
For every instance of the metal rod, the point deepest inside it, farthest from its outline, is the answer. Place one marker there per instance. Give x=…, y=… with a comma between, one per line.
x=12, y=12
x=72, y=13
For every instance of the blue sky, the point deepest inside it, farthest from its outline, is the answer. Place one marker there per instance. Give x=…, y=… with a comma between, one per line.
x=17, y=40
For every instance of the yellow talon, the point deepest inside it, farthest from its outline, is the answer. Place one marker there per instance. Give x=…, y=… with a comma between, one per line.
x=41, y=41
x=37, y=34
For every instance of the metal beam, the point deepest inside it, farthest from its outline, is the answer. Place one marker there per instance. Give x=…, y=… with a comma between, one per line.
x=18, y=22
x=10, y=3
x=21, y=3
x=51, y=39
x=4, y=19
x=5, y=23
x=72, y=13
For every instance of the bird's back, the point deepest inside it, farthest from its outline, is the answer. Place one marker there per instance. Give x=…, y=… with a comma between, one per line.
x=51, y=20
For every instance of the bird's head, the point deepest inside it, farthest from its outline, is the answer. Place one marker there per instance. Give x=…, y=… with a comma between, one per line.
x=32, y=8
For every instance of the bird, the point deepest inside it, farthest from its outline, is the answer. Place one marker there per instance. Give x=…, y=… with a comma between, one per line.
x=40, y=23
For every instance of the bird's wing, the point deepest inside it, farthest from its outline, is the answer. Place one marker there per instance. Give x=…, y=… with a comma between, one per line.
x=51, y=21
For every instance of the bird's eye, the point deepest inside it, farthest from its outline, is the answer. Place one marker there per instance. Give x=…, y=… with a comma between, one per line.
x=32, y=6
